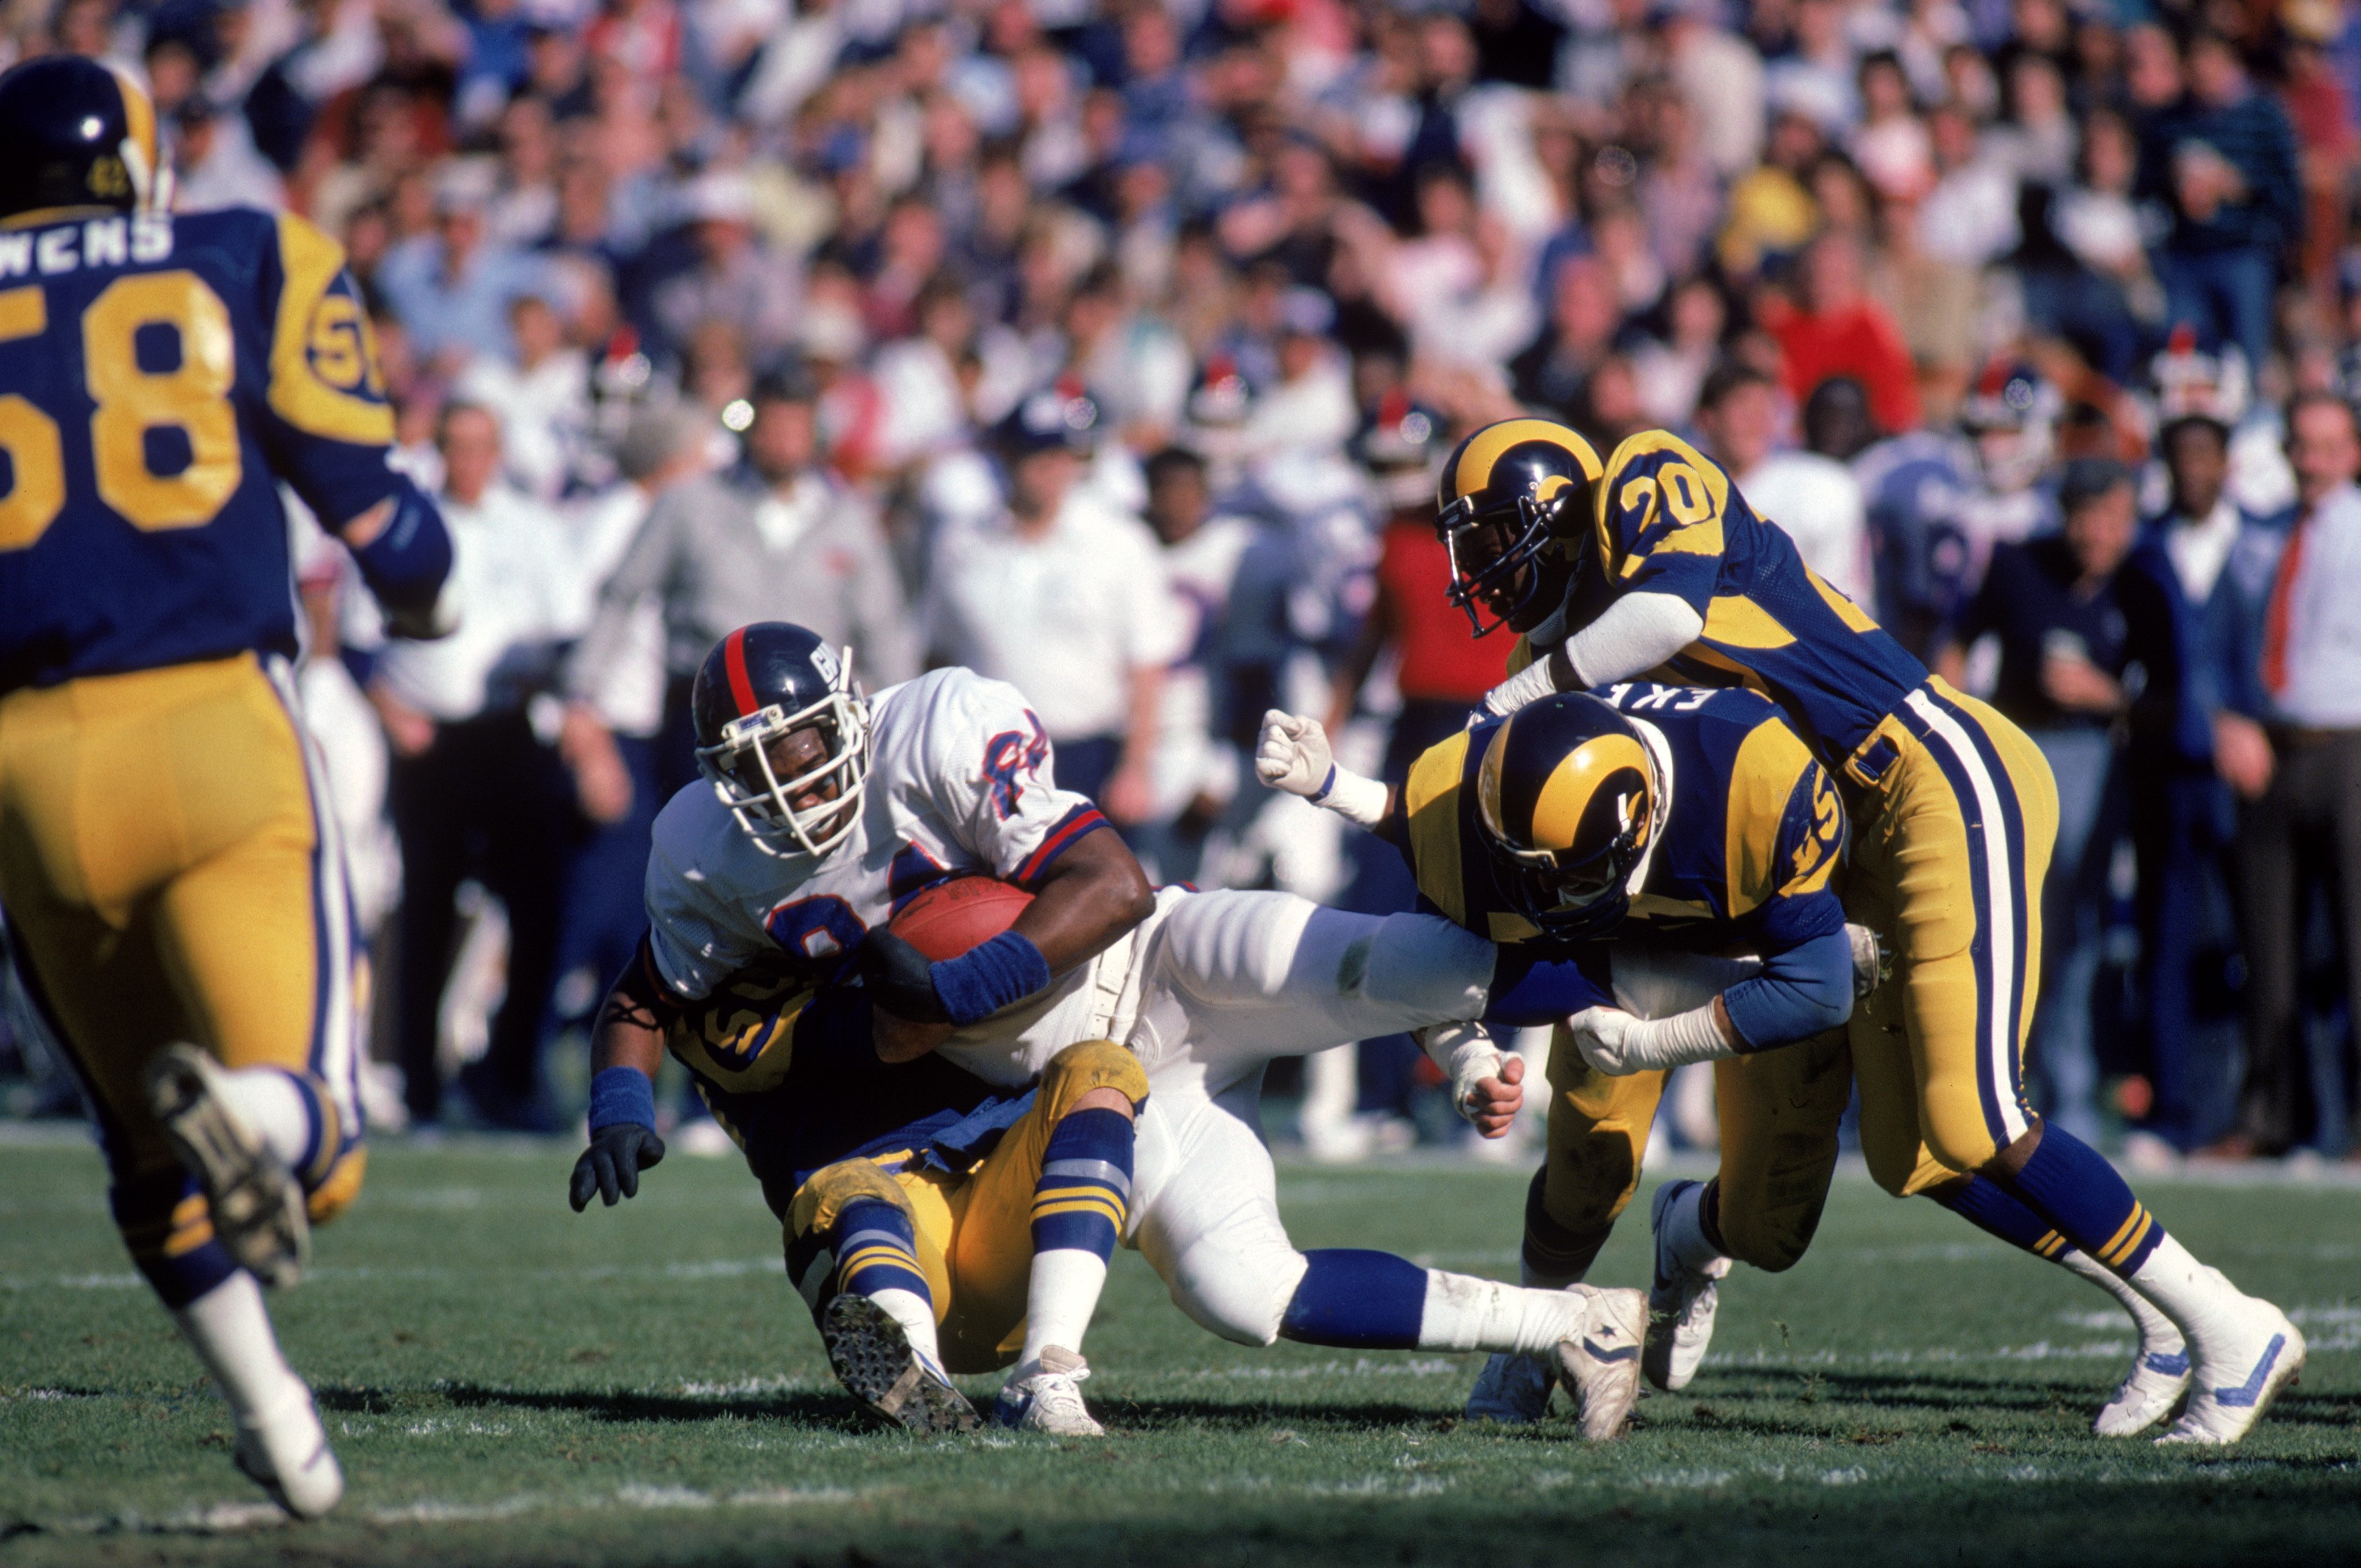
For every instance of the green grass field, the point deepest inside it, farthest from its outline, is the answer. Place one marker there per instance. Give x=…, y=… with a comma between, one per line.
x=505, y=1381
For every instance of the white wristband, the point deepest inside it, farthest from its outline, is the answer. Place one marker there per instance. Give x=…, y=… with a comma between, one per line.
x=1677, y=1041
x=1467, y=1055
x=1353, y=797
x=1529, y=685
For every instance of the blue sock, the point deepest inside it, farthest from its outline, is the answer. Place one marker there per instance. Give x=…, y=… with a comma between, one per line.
x=876, y=1249
x=1357, y=1301
x=1085, y=1185
x=2078, y=1192
x=1987, y=1206
x=168, y=1228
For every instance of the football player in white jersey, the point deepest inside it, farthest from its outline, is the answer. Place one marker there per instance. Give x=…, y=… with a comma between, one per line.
x=825, y=809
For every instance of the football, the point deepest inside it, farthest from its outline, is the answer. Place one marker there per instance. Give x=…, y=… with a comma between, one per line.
x=950, y=917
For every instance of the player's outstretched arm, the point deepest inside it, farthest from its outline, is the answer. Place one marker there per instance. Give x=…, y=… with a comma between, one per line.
x=1293, y=755
x=1093, y=893
x=626, y=1048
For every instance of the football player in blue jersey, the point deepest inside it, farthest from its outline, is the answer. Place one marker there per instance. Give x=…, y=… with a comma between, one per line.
x=1547, y=829
x=1649, y=560
x=1694, y=830
x=918, y=1203
x=168, y=863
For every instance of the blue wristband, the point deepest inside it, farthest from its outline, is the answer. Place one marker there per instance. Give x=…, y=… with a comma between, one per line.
x=989, y=977
x=1327, y=786
x=620, y=1094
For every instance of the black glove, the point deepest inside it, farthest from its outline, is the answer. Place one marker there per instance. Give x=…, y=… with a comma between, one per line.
x=900, y=977
x=610, y=1167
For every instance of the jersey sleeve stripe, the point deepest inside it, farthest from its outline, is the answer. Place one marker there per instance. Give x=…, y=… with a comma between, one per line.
x=310, y=265
x=1078, y=824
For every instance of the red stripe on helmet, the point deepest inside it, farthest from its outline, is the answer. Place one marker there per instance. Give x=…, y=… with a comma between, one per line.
x=742, y=688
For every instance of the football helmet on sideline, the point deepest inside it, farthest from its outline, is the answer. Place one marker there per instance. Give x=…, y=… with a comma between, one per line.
x=760, y=685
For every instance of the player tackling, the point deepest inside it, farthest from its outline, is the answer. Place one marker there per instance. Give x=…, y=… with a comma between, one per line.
x=1124, y=1032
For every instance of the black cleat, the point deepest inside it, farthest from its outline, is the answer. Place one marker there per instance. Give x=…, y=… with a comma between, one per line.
x=258, y=1207
x=874, y=1362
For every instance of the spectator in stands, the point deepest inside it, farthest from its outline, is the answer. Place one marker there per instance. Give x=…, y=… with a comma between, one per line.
x=473, y=792
x=2223, y=161
x=1840, y=331
x=2052, y=605
x=452, y=289
x=2301, y=823
x=2195, y=597
x=773, y=539
x=1068, y=601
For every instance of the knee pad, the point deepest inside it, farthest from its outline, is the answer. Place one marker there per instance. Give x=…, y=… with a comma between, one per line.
x=1239, y=1292
x=1421, y=963
x=818, y=1202
x=1092, y=1063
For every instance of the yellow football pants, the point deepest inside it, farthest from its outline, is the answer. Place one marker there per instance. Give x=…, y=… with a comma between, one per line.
x=1952, y=838
x=170, y=872
x=1779, y=1113
x=975, y=1230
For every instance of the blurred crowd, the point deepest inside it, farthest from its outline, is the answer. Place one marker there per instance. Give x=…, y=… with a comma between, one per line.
x=1110, y=346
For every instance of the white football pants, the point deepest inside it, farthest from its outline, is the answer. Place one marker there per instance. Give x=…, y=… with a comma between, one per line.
x=1228, y=982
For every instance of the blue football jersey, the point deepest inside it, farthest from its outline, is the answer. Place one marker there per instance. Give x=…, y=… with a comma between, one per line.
x=1746, y=843
x=1669, y=520
x=158, y=376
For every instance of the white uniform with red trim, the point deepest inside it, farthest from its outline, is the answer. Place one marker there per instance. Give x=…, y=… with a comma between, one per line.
x=959, y=780
x=1208, y=991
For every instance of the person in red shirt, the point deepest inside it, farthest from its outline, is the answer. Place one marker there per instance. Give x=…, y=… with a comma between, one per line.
x=1841, y=331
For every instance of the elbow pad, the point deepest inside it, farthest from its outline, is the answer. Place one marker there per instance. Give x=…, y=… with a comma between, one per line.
x=1799, y=993
x=408, y=563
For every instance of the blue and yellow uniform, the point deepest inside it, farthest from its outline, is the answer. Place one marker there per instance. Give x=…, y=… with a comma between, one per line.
x=1953, y=810
x=1748, y=839
x=791, y=1074
x=168, y=863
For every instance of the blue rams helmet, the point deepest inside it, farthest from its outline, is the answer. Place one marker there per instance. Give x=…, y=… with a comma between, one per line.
x=1514, y=507
x=76, y=133
x=768, y=684
x=1566, y=797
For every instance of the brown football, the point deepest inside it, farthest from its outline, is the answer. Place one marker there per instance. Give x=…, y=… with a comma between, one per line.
x=950, y=917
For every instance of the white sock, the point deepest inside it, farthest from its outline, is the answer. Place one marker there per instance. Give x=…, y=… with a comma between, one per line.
x=2157, y=1336
x=917, y=1316
x=1063, y=1294
x=230, y=1330
x=267, y=1100
x=1466, y=1313
x=1684, y=1232
x=2199, y=1299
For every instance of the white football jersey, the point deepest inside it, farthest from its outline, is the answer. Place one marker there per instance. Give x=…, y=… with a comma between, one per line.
x=960, y=779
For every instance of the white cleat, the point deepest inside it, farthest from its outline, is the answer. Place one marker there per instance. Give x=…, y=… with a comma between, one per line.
x=286, y=1453
x=1513, y=1390
x=258, y=1207
x=1045, y=1395
x=2235, y=1378
x=2147, y=1393
x=1681, y=1304
x=1599, y=1360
